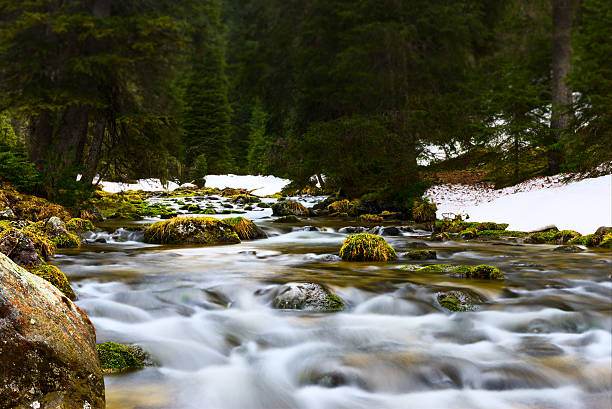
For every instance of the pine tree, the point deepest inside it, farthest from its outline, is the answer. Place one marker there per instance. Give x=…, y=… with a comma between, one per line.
x=259, y=141
x=207, y=118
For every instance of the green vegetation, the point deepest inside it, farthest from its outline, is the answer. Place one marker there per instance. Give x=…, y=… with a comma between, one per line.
x=369, y=218
x=423, y=211
x=54, y=276
x=287, y=219
x=481, y=272
x=421, y=254
x=117, y=357
x=366, y=247
x=79, y=225
x=126, y=205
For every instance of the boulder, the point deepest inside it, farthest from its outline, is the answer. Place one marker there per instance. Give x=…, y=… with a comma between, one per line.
x=366, y=247
x=191, y=230
x=352, y=229
x=458, y=300
x=18, y=247
x=307, y=296
x=568, y=249
x=48, y=355
x=421, y=255
x=246, y=229
x=289, y=208
x=603, y=230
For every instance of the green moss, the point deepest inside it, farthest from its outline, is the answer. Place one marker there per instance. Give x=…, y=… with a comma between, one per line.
x=440, y=237
x=470, y=233
x=366, y=247
x=552, y=237
x=54, y=276
x=126, y=205
x=421, y=254
x=287, y=219
x=245, y=228
x=5, y=225
x=501, y=233
x=335, y=302
x=485, y=272
x=79, y=225
x=339, y=206
x=606, y=241
x=424, y=211
x=209, y=211
x=452, y=303
x=435, y=268
x=370, y=218
x=191, y=230
x=117, y=357
x=245, y=198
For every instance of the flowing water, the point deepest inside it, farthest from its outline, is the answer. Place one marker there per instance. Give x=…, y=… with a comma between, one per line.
x=540, y=339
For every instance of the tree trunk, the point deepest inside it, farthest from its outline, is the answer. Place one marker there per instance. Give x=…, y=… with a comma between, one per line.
x=91, y=164
x=561, y=92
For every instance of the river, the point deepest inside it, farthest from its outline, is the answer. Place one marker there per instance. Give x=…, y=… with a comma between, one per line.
x=540, y=339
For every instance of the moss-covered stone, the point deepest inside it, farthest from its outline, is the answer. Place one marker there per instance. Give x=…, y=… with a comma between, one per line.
x=440, y=237
x=485, y=272
x=308, y=297
x=287, y=219
x=421, y=255
x=116, y=357
x=606, y=241
x=424, y=211
x=43, y=232
x=339, y=206
x=54, y=276
x=191, y=230
x=289, y=208
x=366, y=247
x=470, y=233
x=126, y=205
x=552, y=237
x=79, y=225
x=246, y=229
x=245, y=198
x=370, y=218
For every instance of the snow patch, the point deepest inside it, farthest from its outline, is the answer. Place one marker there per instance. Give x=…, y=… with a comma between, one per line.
x=263, y=185
x=582, y=205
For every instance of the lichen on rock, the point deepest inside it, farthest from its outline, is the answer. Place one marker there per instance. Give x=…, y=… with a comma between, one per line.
x=54, y=276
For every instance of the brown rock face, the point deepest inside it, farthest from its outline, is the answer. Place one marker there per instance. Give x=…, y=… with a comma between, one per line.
x=48, y=353
x=18, y=247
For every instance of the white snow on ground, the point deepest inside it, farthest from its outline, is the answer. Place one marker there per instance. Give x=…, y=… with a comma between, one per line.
x=148, y=185
x=263, y=185
x=582, y=205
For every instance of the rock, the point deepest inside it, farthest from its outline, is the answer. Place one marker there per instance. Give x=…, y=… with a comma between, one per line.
x=370, y=218
x=417, y=245
x=421, y=255
x=48, y=353
x=307, y=296
x=100, y=240
x=56, y=226
x=115, y=358
x=18, y=247
x=191, y=230
x=366, y=247
x=457, y=300
x=568, y=249
x=310, y=228
x=57, y=231
x=287, y=219
x=289, y=208
x=7, y=214
x=601, y=231
x=388, y=231
x=550, y=227
x=246, y=229
x=352, y=229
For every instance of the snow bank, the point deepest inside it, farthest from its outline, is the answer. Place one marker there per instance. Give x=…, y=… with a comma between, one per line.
x=148, y=185
x=263, y=185
x=581, y=205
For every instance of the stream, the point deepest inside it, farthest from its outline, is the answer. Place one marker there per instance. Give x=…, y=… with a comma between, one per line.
x=540, y=339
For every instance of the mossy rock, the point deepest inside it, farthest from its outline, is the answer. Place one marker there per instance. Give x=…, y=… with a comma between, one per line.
x=482, y=272
x=485, y=272
x=308, y=297
x=606, y=241
x=54, y=276
x=470, y=233
x=191, y=230
x=210, y=211
x=424, y=211
x=366, y=247
x=79, y=225
x=287, y=219
x=440, y=237
x=552, y=237
x=455, y=301
x=289, y=208
x=42, y=233
x=115, y=358
x=245, y=198
x=421, y=255
x=339, y=206
x=370, y=218
x=246, y=229
x=390, y=215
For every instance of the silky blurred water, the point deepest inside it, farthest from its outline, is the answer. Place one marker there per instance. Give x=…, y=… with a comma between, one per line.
x=541, y=338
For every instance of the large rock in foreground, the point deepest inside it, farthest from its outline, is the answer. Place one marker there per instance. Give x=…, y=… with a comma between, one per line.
x=191, y=230
x=48, y=353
